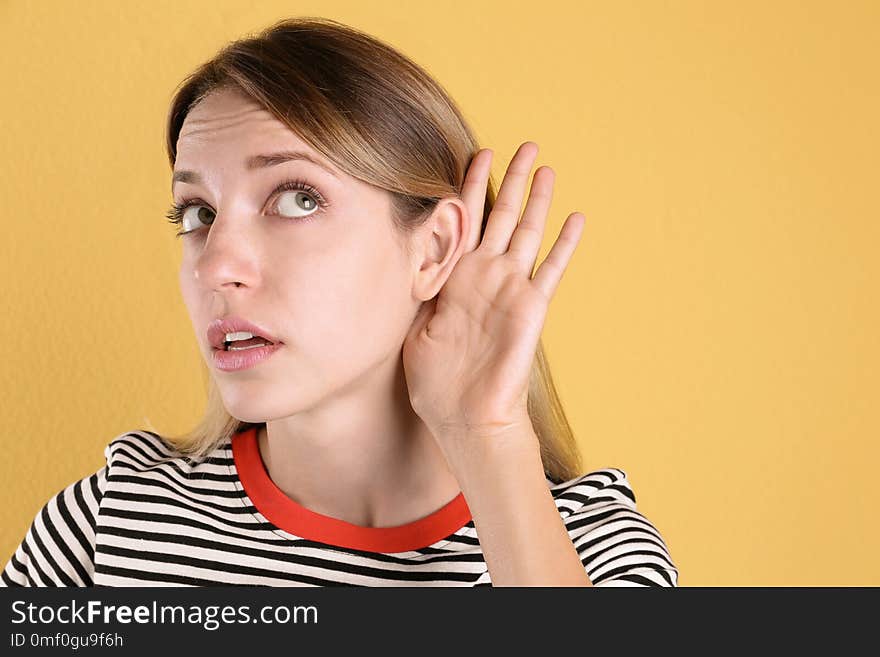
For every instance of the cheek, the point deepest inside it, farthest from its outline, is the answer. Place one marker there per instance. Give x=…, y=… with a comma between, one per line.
x=187, y=294
x=197, y=305
x=357, y=311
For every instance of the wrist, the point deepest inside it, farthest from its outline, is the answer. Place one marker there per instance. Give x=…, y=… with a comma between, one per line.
x=478, y=452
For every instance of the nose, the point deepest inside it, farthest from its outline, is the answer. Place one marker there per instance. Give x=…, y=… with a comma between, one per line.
x=228, y=257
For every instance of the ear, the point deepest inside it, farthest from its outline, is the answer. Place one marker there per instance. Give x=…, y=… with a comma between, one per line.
x=439, y=244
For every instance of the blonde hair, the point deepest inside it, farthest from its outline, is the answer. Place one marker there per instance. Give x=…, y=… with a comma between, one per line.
x=382, y=119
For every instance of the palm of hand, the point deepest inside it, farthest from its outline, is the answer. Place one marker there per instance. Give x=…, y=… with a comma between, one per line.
x=469, y=352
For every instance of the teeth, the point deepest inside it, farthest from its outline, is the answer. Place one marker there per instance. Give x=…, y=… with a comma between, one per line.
x=253, y=346
x=239, y=335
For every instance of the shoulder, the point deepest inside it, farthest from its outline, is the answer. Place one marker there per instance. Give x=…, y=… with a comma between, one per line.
x=593, y=489
x=150, y=446
x=144, y=458
x=141, y=450
x=146, y=447
x=59, y=546
x=617, y=544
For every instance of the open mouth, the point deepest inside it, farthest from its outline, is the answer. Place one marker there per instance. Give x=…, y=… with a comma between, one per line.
x=242, y=345
x=237, y=334
x=231, y=357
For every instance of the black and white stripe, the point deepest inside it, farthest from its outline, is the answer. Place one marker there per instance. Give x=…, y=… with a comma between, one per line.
x=151, y=517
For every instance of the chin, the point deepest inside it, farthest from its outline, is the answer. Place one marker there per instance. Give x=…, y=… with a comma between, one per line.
x=247, y=406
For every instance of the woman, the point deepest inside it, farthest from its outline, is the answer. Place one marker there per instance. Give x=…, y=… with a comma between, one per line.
x=380, y=410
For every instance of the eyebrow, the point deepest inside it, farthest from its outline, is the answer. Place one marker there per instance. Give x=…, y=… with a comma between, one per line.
x=257, y=162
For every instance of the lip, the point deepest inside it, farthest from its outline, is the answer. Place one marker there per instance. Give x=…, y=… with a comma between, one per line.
x=234, y=361
x=218, y=329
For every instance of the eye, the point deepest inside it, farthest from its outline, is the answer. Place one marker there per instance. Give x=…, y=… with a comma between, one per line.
x=290, y=203
x=297, y=201
x=191, y=221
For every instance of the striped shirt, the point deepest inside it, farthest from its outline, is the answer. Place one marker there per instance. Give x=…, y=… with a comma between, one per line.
x=154, y=517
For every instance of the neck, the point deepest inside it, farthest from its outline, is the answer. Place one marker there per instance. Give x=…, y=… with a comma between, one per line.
x=364, y=457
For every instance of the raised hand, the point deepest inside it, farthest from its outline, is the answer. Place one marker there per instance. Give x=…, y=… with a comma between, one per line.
x=468, y=354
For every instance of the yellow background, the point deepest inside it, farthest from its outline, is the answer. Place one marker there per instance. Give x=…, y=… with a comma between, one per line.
x=715, y=336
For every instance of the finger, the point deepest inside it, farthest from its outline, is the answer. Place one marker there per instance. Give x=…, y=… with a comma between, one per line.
x=550, y=272
x=473, y=193
x=526, y=240
x=505, y=212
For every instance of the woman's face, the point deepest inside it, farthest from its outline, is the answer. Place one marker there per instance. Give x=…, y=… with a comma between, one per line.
x=335, y=290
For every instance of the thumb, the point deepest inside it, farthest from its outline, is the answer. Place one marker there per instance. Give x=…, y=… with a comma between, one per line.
x=423, y=316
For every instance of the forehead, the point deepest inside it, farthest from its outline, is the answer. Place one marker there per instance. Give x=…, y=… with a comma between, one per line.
x=227, y=128
x=229, y=117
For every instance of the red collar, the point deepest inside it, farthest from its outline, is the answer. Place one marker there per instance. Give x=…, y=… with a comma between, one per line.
x=294, y=518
